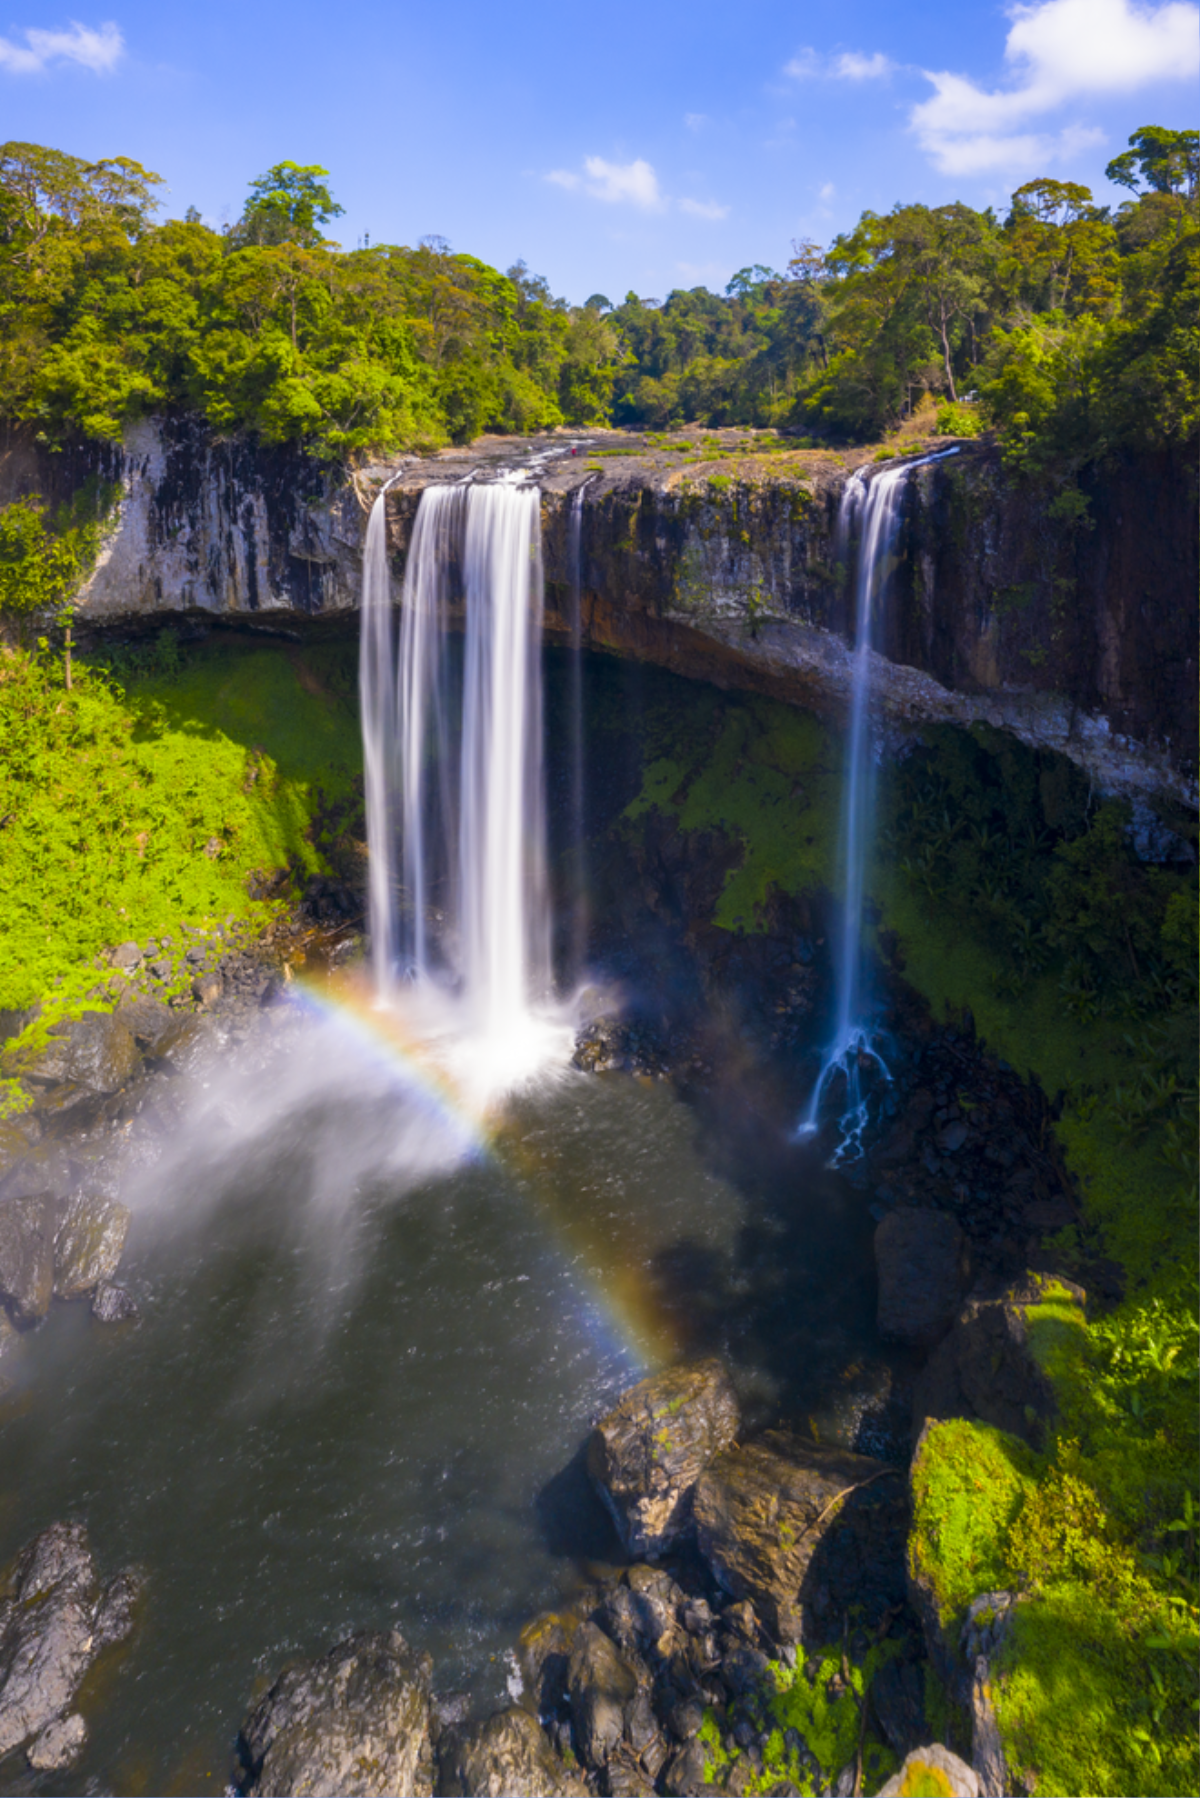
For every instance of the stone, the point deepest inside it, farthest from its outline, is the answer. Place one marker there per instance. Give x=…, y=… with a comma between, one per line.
x=353, y=1724
x=127, y=956
x=146, y=1019
x=685, y=1771
x=113, y=1304
x=644, y=1458
x=207, y=988
x=508, y=1754
x=898, y=1700
x=88, y=1245
x=47, y=1639
x=919, y=1261
x=59, y=1744
x=27, y=1256
x=768, y=1526
x=934, y=1770
x=95, y=1051
x=601, y=1686
x=543, y=1656
x=985, y=1371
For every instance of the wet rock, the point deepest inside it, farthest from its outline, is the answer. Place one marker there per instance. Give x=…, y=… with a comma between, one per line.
x=207, y=988
x=601, y=1686
x=932, y=1769
x=353, y=1724
x=543, y=1656
x=27, y=1256
x=59, y=1744
x=506, y=1755
x=146, y=1019
x=919, y=1260
x=985, y=1369
x=769, y=1528
x=898, y=1700
x=685, y=1771
x=88, y=1245
x=95, y=1052
x=113, y=1304
x=644, y=1458
x=48, y=1639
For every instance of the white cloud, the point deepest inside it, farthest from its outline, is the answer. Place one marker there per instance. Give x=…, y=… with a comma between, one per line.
x=616, y=183
x=704, y=209
x=853, y=67
x=827, y=192
x=849, y=65
x=695, y=121
x=1059, y=51
x=97, y=50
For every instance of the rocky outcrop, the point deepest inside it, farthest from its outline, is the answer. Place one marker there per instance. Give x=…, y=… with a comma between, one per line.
x=793, y=1526
x=920, y=1263
x=88, y=1245
x=510, y=1753
x=27, y=1227
x=54, y=1621
x=353, y=1724
x=645, y=1457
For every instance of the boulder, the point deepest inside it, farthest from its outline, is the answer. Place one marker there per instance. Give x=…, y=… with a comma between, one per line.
x=207, y=988
x=602, y=1687
x=95, y=1052
x=645, y=1457
x=920, y=1263
x=769, y=1527
x=898, y=1700
x=353, y=1724
x=933, y=1770
x=54, y=1620
x=985, y=1369
x=146, y=1019
x=543, y=1656
x=112, y=1304
x=508, y=1754
x=27, y=1227
x=88, y=1244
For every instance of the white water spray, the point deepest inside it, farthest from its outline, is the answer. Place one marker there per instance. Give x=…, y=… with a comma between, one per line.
x=853, y=1052
x=455, y=781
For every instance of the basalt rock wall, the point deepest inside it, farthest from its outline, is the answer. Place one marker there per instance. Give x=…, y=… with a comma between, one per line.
x=1066, y=615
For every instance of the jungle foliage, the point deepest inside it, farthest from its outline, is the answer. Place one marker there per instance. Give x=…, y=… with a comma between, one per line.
x=1071, y=327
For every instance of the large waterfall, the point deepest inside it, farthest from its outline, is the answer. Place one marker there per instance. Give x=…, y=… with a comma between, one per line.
x=459, y=908
x=872, y=509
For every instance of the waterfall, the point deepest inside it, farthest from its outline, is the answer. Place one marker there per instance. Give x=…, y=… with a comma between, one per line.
x=453, y=755
x=853, y=1051
x=577, y=834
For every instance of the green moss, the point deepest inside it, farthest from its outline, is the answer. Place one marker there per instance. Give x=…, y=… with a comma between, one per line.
x=969, y=1482
x=128, y=812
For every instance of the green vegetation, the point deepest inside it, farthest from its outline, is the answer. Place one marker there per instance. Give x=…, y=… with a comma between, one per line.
x=129, y=809
x=1075, y=327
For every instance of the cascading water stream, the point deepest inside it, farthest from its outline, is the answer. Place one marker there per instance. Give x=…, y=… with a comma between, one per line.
x=579, y=915
x=455, y=798
x=853, y=1051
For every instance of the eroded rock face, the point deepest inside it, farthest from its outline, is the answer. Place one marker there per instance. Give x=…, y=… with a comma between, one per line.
x=769, y=1528
x=602, y=1687
x=88, y=1245
x=353, y=1724
x=644, y=1458
x=919, y=1261
x=95, y=1052
x=508, y=1754
x=54, y=1620
x=27, y=1227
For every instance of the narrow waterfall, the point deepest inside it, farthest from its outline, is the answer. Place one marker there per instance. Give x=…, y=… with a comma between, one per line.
x=459, y=905
x=853, y=1053
x=579, y=909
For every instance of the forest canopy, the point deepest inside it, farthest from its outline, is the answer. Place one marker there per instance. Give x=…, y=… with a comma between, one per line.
x=1070, y=327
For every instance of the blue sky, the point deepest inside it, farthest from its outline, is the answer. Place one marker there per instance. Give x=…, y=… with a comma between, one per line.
x=614, y=145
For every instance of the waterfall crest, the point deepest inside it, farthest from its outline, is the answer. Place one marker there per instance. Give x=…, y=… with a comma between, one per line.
x=875, y=508
x=459, y=903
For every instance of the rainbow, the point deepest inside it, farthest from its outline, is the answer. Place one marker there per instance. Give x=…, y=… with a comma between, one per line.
x=623, y=1313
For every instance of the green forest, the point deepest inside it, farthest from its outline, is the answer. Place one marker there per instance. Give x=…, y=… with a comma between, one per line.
x=1069, y=327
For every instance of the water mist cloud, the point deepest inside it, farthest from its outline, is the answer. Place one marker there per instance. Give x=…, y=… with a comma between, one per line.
x=100, y=50
x=1060, y=51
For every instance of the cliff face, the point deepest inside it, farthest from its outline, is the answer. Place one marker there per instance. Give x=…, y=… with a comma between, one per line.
x=1073, y=625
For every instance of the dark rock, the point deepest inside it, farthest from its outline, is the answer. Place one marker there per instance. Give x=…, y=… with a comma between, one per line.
x=769, y=1528
x=146, y=1019
x=95, y=1051
x=27, y=1256
x=353, y=1724
x=49, y=1636
x=919, y=1259
x=113, y=1304
x=543, y=1656
x=898, y=1700
x=985, y=1370
x=932, y=1769
x=646, y=1455
x=207, y=988
x=88, y=1244
x=601, y=1686
x=509, y=1754
x=685, y=1771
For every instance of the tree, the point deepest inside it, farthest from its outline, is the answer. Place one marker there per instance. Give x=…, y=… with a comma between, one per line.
x=288, y=204
x=1167, y=162
x=45, y=190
